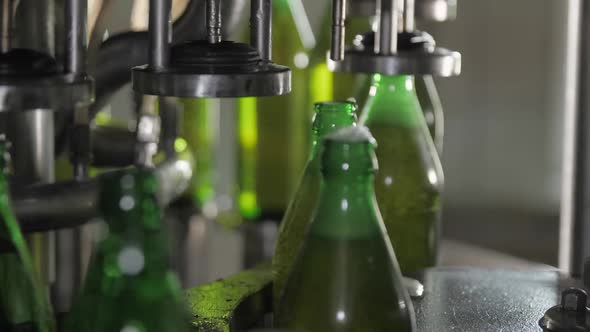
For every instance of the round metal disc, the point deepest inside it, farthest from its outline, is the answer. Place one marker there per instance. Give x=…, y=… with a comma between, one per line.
x=267, y=79
x=438, y=62
x=56, y=92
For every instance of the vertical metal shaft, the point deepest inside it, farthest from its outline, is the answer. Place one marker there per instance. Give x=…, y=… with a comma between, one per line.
x=6, y=17
x=261, y=28
x=574, y=231
x=409, y=15
x=170, y=117
x=159, y=30
x=338, y=29
x=76, y=40
x=214, y=21
x=386, y=36
x=31, y=134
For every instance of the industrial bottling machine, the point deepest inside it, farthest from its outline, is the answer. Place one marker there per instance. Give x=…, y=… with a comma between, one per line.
x=53, y=83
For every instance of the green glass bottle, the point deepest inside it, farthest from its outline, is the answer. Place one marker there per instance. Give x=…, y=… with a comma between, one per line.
x=129, y=286
x=329, y=117
x=410, y=178
x=346, y=277
x=272, y=130
x=23, y=305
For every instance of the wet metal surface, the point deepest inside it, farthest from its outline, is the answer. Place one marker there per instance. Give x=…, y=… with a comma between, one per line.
x=487, y=300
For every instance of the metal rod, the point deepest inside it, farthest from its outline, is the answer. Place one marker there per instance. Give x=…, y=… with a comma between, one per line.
x=338, y=29
x=54, y=206
x=386, y=36
x=214, y=21
x=76, y=40
x=159, y=30
x=261, y=28
x=80, y=144
x=169, y=120
x=409, y=11
x=32, y=133
x=575, y=213
x=6, y=17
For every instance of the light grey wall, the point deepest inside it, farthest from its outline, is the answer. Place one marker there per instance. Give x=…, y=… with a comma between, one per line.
x=503, y=114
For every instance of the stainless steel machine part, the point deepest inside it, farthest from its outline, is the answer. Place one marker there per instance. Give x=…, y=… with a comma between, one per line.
x=6, y=10
x=31, y=133
x=76, y=40
x=338, y=29
x=436, y=10
x=439, y=62
x=260, y=28
x=409, y=23
x=214, y=21
x=159, y=31
x=386, y=35
x=45, y=207
x=574, y=246
x=268, y=80
x=425, y=10
x=38, y=26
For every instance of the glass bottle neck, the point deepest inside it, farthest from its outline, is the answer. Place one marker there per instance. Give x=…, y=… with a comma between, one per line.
x=347, y=208
x=392, y=99
x=326, y=122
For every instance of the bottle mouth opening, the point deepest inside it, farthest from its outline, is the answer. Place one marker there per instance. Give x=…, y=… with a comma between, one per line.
x=335, y=106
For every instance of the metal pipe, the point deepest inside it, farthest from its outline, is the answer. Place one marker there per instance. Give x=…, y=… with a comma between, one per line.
x=31, y=133
x=338, y=29
x=386, y=36
x=6, y=17
x=76, y=40
x=46, y=207
x=37, y=22
x=80, y=142
x=169, y=119
x=214, y=21
x=409, y=16
x=159, y=31
x=575, y=212
x=261, y=28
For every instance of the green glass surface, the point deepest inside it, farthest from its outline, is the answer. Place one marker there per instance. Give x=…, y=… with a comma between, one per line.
x=410, y=178
x=326, y=85
x=329, y=117
x=23, y=305
x=346, y=277
x=272, y=130
x=129, y=286
x=198, y=132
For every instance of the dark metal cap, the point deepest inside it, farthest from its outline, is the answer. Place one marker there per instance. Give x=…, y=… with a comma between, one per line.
x=572, y=315
x=24, y=62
